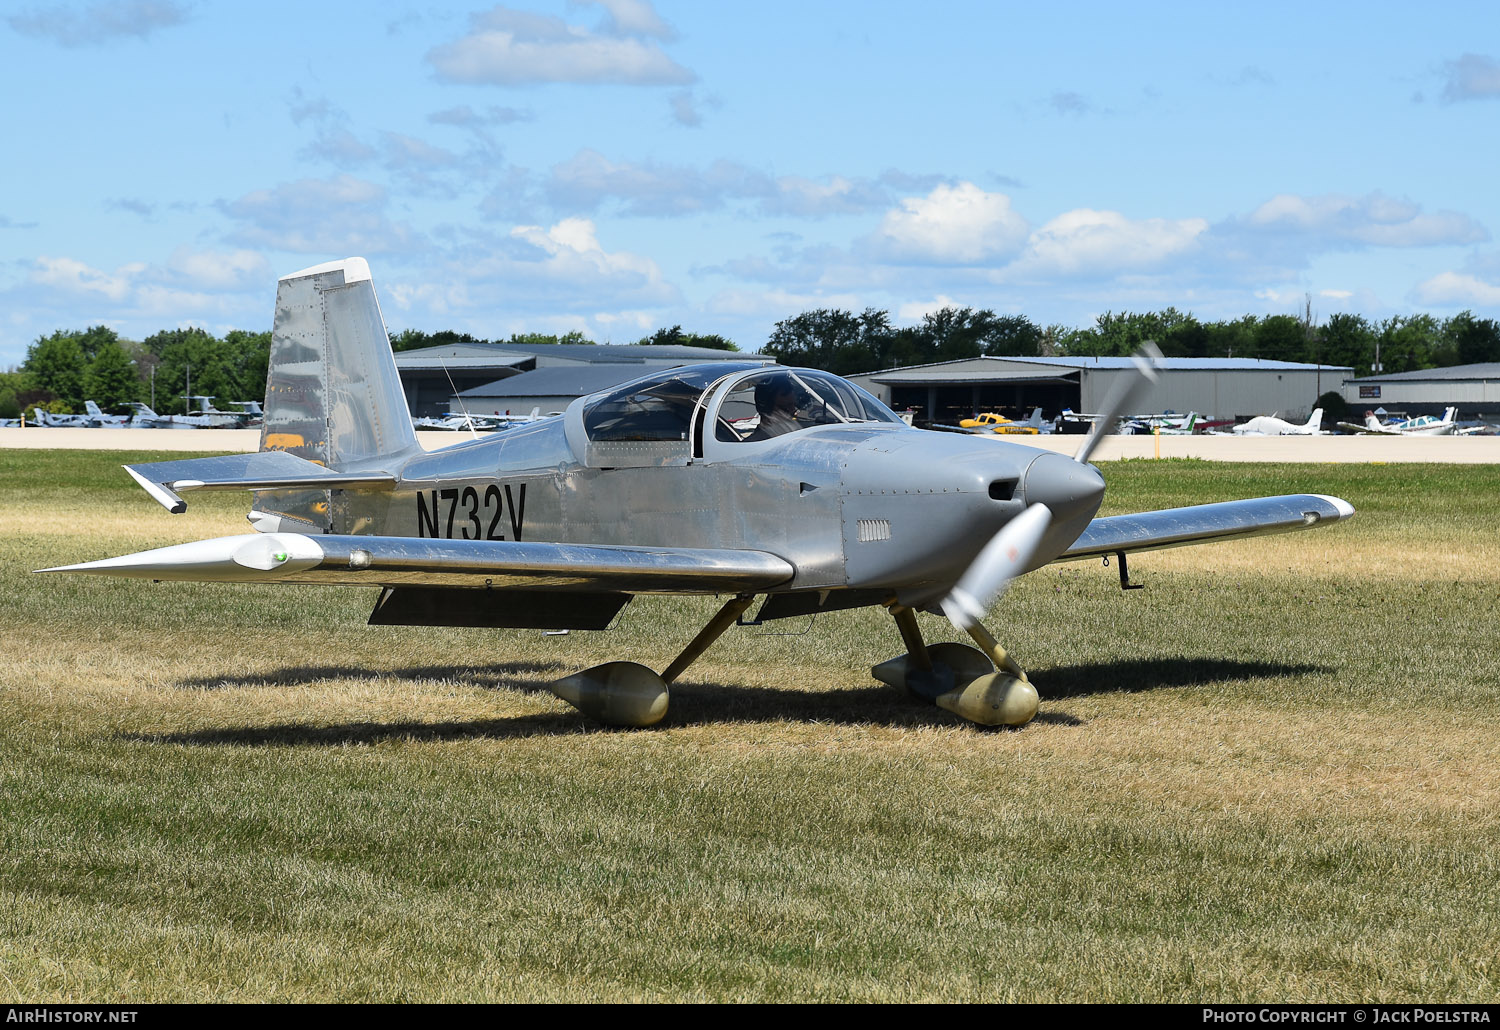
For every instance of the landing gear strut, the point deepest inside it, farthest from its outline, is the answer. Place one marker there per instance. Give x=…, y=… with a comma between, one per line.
x=629, y=694
x=960, y=678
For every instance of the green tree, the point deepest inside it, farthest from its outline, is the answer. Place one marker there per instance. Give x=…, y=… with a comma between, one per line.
x=1281, y=338
x=951, y=334
x=56, y=365
x=1335, y=408
x=1346, y=340
x=190, y=358
x=837, y=341
x=412, y=339
x=111, y=379
x=676, y=337
x=1411, y=342
x=249, y=354
x=1474, y=339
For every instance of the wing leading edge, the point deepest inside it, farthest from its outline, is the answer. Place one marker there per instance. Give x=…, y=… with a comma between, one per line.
x=410, y=561
x=1201, y=523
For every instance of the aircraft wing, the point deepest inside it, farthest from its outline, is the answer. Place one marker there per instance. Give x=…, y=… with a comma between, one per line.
x=265, y=470
x=413, y=561
x=1202, y=523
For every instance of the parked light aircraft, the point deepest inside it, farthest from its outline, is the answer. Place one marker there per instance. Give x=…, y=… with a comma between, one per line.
x=829, y=502
x=1422, y=425
x=1168, y=422
x=101, y=418
x=1270, y=425
x=463, y=421
x=46, y=418
x=989, y=422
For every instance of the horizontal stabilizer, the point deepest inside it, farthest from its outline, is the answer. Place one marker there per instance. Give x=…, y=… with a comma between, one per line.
x=266, y=470
x=1200, y=523
x=414, y=561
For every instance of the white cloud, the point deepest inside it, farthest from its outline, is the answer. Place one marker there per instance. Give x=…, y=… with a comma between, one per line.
x=1336, y=294
x=1089, y=242
x=589, y=178
x=958, y=225
x=75, y=277
x=100, y=22
x=1457, y=288
x=1374, y=219
x=777, y=304
x=1472, y=77
x=466, y=117
x=684, y=111
x=231, y=270
x=570, y=254
x=915, y=311
x=508, y=47
x=633, y=18
x=343, y=215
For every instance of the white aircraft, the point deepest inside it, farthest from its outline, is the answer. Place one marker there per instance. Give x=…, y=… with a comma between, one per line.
x=1178, y=425
x=1422, y=425
x=461, y=421
x=1169, y=423
x=46, y=418
x=1270, y=425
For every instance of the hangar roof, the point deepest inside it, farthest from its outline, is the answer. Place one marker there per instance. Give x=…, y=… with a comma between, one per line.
x=1075, y=364
x=935, y=374
x=1453, y=373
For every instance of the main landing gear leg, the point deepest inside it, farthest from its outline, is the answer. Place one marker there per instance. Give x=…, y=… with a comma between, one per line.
x=958, y=677
x=629, y=694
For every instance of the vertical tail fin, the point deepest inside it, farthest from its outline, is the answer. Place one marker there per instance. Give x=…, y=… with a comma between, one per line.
x=1315, y=420
x=333, y=395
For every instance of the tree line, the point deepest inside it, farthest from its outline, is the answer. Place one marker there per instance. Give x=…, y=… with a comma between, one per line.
x=846, y=343
x=66, y=368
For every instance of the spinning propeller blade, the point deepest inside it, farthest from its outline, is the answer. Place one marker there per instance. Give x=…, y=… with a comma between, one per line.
x=1012, y=549
x=1147, y=370
x=1002, y=560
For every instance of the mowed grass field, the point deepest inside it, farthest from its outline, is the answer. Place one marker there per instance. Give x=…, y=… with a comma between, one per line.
x=1272, y=774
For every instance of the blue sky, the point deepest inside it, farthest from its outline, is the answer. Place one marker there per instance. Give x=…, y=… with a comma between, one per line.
x=614, y=166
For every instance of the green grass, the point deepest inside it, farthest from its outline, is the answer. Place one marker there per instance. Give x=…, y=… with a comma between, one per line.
x=1273, y=774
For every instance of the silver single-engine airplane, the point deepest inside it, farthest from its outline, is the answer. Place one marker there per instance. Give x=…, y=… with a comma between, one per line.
x=735, y=479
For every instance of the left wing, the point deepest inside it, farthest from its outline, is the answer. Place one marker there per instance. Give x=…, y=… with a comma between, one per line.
x=1201, y=523
x=389, y=561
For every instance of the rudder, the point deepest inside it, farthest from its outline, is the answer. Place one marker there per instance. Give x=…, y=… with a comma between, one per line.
x=333, y=395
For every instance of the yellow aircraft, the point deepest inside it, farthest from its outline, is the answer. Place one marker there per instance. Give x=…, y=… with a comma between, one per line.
x=1000, y=424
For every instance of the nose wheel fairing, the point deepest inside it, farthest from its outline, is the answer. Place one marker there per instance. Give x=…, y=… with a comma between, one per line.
x=960, y=678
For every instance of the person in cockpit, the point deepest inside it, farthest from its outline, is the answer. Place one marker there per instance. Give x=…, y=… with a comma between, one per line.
x=776, y=402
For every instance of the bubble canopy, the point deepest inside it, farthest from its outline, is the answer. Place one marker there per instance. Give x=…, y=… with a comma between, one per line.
x=662, y=406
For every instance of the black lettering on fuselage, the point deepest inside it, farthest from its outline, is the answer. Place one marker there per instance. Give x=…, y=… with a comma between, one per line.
x=483, y=513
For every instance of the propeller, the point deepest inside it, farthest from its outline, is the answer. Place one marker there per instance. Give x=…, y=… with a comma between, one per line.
x=1012, y=549
x=1002, y=560
x=1127, y=388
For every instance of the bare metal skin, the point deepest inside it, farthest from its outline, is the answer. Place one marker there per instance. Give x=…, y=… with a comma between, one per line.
x=687, y=480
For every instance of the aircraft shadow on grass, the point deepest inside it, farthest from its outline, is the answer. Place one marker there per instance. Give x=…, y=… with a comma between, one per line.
x=1136, y=676
x=695, y=703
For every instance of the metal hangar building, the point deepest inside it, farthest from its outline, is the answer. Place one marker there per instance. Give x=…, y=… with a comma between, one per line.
x=432, y=377
x=1473, y=389
x=1214, y=387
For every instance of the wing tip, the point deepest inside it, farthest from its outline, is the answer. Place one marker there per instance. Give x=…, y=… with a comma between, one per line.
x=1343, y=507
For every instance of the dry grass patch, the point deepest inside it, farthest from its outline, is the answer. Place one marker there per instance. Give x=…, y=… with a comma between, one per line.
x=1249, y=781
